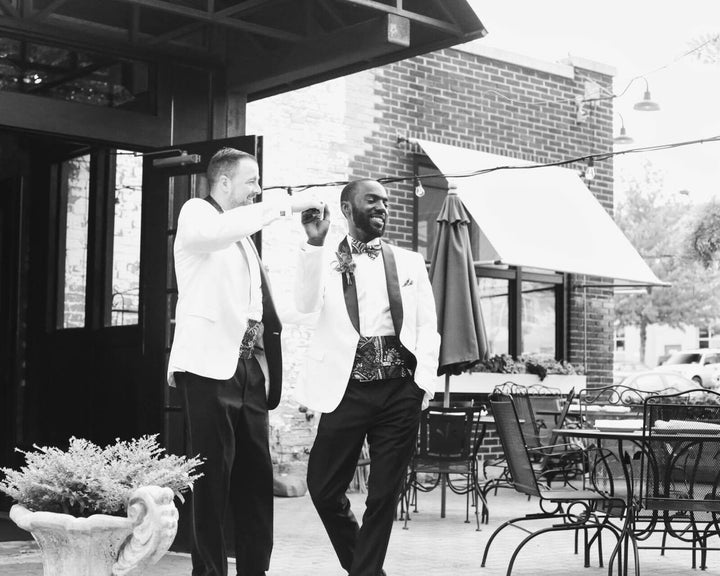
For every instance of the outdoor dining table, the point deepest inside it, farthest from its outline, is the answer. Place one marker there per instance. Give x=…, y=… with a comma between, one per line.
x=625, y=437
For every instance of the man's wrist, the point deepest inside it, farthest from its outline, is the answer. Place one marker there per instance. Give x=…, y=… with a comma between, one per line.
x=285, y=208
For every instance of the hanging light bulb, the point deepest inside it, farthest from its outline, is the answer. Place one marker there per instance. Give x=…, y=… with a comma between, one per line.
x=419, y=190
x=647, y=104
x=622, y=138
x=590, y=169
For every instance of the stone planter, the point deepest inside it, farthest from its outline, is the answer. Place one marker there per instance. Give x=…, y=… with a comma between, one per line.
x=103, y=545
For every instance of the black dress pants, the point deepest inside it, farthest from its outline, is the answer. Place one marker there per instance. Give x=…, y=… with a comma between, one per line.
x=227, y=424
x=388, y=413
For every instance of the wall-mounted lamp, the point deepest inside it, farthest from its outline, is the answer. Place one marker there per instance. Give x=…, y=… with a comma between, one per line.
x=622, y=138
x=647, y=104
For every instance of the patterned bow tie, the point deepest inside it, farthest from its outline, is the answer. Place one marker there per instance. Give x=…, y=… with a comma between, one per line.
x=357, y=247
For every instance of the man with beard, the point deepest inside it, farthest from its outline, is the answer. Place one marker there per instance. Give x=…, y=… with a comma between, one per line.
x=370, y=368
x=226, y=361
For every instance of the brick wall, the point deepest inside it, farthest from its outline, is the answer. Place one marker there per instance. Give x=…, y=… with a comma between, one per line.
x=348, y=128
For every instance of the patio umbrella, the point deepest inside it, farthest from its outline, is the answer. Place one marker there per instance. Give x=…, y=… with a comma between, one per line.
x=452, y=275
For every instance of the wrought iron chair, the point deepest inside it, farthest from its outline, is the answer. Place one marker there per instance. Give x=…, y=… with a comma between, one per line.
x=574, y=509
x=550, y=458
x=448, y=444
x=680, y=473
x=617, y=400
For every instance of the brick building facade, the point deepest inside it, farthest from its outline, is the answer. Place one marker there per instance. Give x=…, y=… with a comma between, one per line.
x=470, y=96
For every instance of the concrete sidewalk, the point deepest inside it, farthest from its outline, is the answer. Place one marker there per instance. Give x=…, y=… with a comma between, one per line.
x=431, y=546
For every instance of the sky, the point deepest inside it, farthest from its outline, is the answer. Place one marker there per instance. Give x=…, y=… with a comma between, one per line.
x=638, y=38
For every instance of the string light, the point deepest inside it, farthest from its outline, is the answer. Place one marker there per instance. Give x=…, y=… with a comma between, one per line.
x=419, y=190
x=601, y=156
x=590, y=169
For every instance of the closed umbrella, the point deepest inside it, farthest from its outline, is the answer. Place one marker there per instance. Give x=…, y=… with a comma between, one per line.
x=452, y=274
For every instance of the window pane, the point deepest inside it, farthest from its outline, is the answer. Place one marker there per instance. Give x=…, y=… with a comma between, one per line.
x=76, y=75
x=538, y=318
x=494, y=303
x=75, y=193
x=125, y=296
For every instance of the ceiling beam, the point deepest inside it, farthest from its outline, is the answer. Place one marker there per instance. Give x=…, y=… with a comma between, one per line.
x=334, y=14
x=176, y=33
x=78, y=34
x=203, y=16
x=440, y=5
x=246, y=7
x=49, y=9
x=384, y=35
x=9, y=9
x=413, y=16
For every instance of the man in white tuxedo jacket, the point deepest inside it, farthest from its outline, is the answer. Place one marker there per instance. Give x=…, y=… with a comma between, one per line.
x=226, y=361
x=371, y=366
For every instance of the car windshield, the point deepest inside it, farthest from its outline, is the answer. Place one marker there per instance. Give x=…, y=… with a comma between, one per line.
x=683, y=358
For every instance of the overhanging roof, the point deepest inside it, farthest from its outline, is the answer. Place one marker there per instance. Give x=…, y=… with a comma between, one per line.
x=539, y=217
x=266, y=46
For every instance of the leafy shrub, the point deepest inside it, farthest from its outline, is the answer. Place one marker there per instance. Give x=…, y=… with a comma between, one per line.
x=86, y=479
x=541, y=365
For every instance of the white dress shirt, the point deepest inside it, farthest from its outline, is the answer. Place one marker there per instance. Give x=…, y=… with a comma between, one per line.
x=372, y=294
x=252, y=297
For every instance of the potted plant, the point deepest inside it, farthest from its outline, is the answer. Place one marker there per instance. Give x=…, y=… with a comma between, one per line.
x=100, y=511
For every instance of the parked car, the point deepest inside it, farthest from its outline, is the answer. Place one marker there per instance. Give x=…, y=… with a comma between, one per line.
x=622, y=370
x=654, y=381
x=701, y=365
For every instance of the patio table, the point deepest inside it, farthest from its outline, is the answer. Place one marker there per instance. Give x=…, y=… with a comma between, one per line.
x=625, y=437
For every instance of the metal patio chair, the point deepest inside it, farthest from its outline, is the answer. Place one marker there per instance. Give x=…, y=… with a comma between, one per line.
x=585, y=508
x=448, y=444
x=550, y=458
x=680, y=473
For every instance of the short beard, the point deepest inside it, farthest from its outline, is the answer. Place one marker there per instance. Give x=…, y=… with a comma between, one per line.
x=362, y=222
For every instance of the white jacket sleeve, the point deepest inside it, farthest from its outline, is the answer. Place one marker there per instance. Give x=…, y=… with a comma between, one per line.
x=427, y=349
x=310, y=278
x=201, y=228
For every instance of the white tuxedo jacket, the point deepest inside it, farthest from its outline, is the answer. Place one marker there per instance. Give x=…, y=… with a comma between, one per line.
x=210, y=320
x=331, y=352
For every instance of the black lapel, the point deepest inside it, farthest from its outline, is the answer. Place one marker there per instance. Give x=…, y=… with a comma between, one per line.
x=350, y=291
x=393, y=287
x=213, y=203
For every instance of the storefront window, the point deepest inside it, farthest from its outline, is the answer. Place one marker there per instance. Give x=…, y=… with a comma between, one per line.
x=125, y=281
x=494, y=300
x=538, y=318
x=74, y=210
x=76, y=75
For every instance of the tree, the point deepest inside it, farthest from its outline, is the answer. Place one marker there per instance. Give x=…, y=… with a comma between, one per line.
x=703, y=241
x=657, y=225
